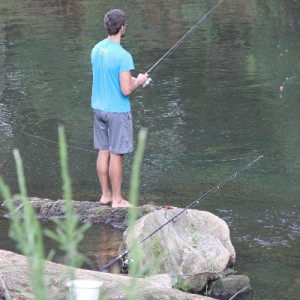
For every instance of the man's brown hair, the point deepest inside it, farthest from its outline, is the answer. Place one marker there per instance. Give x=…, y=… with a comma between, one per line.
x=113, y=21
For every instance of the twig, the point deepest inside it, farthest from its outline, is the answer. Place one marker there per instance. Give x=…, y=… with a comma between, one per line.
x=223, y=273
x=245, y=288
x=5, y=288
x=199, y=273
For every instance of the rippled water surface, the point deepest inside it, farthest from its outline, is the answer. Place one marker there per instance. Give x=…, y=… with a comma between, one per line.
x=215, y=105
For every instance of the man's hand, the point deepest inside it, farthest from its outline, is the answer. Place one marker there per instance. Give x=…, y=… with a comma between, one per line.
x=142, y=78
x=129, y=84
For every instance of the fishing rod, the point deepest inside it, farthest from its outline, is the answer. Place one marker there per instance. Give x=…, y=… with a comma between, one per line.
x=149, y=80
x=218, y=186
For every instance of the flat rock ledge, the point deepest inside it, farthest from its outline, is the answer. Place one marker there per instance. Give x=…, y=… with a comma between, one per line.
x=15, y=284
x=89, y=212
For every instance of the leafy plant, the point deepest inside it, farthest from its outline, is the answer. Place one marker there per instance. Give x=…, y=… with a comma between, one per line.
x=26, y=230
x=68, y=233
x=207, y=290
x=177, y=282
x=185, y=288
x=136, y=253
x=195, y=242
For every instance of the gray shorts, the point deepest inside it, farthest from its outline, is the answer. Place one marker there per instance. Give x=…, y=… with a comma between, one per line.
x=113, y=132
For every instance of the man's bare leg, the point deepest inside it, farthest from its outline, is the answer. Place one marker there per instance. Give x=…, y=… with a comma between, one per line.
x=103, y=175
x=115, y=173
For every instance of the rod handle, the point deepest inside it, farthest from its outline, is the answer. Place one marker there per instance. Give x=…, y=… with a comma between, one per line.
x=147, y=82
x=113, y=261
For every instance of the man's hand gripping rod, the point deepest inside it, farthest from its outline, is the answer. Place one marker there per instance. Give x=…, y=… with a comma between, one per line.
x=148, y=81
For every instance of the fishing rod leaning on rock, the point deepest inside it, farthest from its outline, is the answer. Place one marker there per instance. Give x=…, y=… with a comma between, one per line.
x=149, y=80
x=218, y=186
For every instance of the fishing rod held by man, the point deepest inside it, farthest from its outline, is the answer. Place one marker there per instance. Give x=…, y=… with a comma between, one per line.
x=149, y=80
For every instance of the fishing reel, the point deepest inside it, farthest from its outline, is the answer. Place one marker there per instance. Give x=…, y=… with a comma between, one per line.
x=147, y=82
x=125, y=264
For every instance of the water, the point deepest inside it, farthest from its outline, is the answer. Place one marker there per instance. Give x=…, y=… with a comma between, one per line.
x=214, y=106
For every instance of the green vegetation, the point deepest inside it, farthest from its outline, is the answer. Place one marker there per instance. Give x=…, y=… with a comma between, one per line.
x=99, y=210
x=26, y=229
x=195, y=242
x=178, y=283
x=207, y=290
x=136, y=251
x=156, y=248
x=68, y=233
x=195, y=239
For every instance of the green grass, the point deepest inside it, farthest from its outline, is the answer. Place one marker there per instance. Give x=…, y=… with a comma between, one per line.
x=26, y=230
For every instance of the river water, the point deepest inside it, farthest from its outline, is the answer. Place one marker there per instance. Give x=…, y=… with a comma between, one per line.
x=215, y=105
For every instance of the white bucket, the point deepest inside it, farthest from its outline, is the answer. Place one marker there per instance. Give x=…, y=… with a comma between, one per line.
x=85, y=289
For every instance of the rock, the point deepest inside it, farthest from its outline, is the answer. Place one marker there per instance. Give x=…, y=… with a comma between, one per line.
x=2, y=290
x=289, y=287
x=197, y=242
x=92, y=212
x=226, y=287
x=14, y=270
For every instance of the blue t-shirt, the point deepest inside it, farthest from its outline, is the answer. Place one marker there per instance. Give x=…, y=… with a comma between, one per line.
x=109, y=58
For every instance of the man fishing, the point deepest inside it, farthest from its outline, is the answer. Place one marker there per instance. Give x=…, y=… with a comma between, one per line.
x=112, y=84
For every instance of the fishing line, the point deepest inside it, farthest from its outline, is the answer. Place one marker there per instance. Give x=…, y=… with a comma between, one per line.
x=55, y=142
x=218, y=186
x=149, y=80
x=95, y=151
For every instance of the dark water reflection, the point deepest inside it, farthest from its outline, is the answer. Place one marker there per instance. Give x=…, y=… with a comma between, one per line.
x=99, y=246
x=214, y=106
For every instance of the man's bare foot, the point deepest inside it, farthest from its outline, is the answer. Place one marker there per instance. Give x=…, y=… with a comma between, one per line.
x=105, y=200
x=121, y=203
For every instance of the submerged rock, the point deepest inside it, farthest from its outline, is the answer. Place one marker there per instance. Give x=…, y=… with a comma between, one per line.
x=289, y=287
x=226, y=287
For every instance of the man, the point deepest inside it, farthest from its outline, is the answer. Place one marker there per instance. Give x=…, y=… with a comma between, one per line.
x=112, y=84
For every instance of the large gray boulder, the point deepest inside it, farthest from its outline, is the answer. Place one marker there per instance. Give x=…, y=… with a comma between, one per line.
x=197, y=242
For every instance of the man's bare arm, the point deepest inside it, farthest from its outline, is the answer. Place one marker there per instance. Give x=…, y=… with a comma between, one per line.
x=129, y=83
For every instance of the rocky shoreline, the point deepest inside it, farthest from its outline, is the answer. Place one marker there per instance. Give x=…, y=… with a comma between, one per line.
x=221, y=285
x=15, y=284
